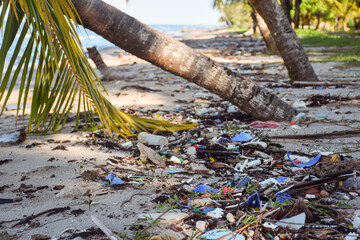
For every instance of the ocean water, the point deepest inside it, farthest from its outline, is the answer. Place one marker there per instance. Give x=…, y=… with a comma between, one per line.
x=90, y=39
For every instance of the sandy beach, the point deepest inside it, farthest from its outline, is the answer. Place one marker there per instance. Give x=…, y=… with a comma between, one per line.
x=56, y=181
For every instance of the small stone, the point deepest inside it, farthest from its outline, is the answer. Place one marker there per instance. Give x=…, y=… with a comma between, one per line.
x=324, y=194
x=230, y=217
x=240, y=213
x=201, y=226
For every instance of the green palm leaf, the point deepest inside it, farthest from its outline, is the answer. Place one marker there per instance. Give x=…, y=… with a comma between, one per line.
x=54, y=72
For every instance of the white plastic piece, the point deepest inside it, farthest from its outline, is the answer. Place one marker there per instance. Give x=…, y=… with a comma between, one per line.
x=268, y=183
x=175, y=160
x=151, y=139
x=216, y=213
x=296, y=222
x=356, y=222
x=127, y=145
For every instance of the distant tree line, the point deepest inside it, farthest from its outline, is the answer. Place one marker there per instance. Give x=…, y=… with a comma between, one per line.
x=334, y=15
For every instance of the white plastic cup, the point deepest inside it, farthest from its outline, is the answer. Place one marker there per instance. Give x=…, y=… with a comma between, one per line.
x=151, y=139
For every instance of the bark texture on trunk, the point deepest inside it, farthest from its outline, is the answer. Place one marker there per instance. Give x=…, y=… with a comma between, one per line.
x=266, y=34
x=288, y=44
x=173, y=56
x=287, y=6
x=297, y=14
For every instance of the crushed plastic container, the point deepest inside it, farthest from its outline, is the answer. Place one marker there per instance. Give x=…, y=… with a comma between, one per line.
x=151, y=139
x=298, y=118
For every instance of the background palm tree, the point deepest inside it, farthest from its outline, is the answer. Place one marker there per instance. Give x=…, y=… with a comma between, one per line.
x=40, y=50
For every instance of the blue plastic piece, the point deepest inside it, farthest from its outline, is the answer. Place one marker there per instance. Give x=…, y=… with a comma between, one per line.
x=208, y=209
x=281, y=179
x=242, y=137
x=117, y=181
x=319, y=87
x=204, y=189
x=281, y=197
x=243, y=182
x=310, y=163
x=253, y=201
x=110, y=177
x=218, y=233
x=217, y=120
x=322, y=116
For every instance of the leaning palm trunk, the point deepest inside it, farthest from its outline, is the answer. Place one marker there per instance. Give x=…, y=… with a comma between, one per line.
x=173, y=56
x=266, y=34
x=293, y=54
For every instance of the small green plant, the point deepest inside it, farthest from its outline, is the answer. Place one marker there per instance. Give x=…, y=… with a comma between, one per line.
x=88, y=201
x=248, y=219
x=343, y=204
x=250, y=189
x=346, y=149
x=137, y=229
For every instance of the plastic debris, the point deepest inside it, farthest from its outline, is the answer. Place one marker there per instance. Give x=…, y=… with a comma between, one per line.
x=242, y=137
x=116, y=181
x=322, y=116
x=253, y=201
x=204, y=189
x=298, y=119
x=296, y=222
x=243, y=182
x=282, y=197
x=111, y=180
x=356, y=221
x=268, y=183
x=310, y=163
x=151, y=139
x=218, y=233
x=216, y=213
x=267, y=124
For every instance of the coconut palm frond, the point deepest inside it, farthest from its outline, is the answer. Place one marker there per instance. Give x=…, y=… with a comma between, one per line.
x=41, y=60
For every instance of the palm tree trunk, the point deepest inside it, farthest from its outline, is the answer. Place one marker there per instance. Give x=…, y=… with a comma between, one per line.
x=173, y=56
x=297, y=14
x=265, y=33
x=287, y=6
x=291, y=51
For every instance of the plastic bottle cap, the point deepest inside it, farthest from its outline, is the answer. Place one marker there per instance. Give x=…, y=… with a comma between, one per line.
x=292, y=122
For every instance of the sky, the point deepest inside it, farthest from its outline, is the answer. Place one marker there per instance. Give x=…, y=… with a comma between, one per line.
x=179, y=12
